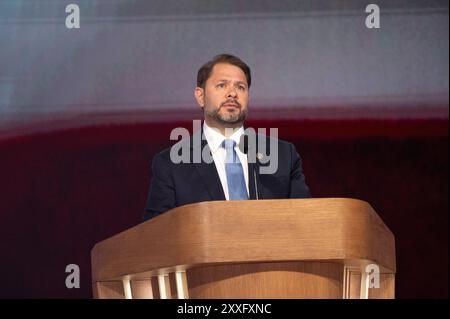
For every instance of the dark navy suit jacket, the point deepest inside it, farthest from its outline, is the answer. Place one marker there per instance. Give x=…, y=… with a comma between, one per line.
x=179, y=184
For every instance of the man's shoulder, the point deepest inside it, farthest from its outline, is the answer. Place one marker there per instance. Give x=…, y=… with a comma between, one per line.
x=161, y=158
x=275, y=139
x=271, y=140
x=165, y=156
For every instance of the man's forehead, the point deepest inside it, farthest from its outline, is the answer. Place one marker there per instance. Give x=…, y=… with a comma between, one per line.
x=227, y=72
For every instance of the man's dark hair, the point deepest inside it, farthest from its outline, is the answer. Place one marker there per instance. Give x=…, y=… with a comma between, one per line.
x=205, y=71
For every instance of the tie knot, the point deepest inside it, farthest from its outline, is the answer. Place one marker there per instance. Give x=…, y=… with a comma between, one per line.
x=228, y=144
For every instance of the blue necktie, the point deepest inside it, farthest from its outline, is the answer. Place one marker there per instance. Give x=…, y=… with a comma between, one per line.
x=235, y=174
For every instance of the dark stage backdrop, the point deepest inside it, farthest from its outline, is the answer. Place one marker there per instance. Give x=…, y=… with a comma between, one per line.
x=66, y=189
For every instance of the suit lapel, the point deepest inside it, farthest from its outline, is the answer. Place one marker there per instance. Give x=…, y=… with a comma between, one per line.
x=208, y=172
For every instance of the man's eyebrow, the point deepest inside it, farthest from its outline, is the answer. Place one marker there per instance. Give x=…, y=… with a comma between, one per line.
x=225, y=80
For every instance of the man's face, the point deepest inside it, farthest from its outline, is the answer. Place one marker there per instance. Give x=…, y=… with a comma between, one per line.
x=225, y=96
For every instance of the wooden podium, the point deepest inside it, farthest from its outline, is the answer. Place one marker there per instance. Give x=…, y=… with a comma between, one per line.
x=290, y=248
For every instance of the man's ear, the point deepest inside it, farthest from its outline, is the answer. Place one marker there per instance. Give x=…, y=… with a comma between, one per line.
x=199, y=94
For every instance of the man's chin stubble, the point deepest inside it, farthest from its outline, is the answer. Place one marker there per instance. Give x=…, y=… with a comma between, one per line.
x=233, y=120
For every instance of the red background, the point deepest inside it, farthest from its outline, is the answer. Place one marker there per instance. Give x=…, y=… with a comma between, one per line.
x=66, y=189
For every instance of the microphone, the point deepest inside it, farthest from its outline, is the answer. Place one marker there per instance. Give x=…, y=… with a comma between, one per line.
x=244, y=148
x=256, y=184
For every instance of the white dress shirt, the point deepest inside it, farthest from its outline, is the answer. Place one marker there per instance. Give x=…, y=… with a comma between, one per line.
x=215, y=139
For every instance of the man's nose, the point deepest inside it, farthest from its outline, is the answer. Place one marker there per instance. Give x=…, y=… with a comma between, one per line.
x=232, y=93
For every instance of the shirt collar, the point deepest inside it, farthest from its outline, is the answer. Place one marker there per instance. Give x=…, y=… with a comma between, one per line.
x=215, y=138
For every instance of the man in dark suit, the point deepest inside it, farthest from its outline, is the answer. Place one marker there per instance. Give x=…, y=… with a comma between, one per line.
x=227, y=164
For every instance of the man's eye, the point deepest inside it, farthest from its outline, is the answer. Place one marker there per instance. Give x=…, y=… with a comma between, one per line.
x=242, y=88
x=220, y=85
